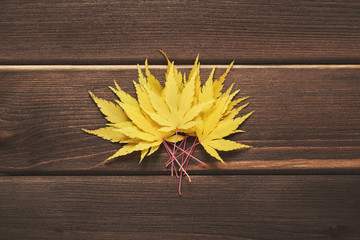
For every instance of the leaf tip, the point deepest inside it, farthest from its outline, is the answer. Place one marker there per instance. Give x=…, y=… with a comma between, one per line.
x=85, y=130
x=91, y=94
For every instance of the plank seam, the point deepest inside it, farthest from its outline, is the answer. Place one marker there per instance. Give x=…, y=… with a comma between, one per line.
x=131, y=67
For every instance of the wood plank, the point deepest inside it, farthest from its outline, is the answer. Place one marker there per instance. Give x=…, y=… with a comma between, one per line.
x=211, y=207
x=113, y=32
x=307, y=120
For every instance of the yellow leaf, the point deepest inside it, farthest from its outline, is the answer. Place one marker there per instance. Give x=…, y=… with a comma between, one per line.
x=227, y=126
x=134, y=132
x=142, y=79
x=153, y=149
x=194, y=111
x=143, y=98
x=171, y=90
x=175, y=138
x=212, y=152
x=132, y=147
x=159, y=105
x=108, y=133
x=178, y=78
x=113, y=113
x=171, y=68
x=159, y=119
x=233, y=104
x=195, y=69
x=126, y=149
x=145, y=145
x=122, y=124
x=231, y=96
x=187, y=96
x=235, y=112
x=214, y=116
x=123, y=96
x=143, y=154
x=197, y=85
x=240, y=120
x=153, y=82
x=136, y=116
x=218, y=84
x=167, y=129
x=207, y=91
x=224, y=128
x=185, y=126
x=228, y=97
x=225, y=145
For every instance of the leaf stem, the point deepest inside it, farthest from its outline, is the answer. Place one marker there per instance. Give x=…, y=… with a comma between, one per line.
x=189, y=154
x=175, y=159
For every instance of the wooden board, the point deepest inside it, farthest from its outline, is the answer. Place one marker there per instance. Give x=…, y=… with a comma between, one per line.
x=307, y=120
x=126, y=32
x=148, y=207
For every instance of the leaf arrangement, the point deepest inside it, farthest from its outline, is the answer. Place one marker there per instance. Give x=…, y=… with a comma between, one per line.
x=171, y=114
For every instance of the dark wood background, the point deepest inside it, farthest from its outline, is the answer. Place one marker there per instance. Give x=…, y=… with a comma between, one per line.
x=299, y=62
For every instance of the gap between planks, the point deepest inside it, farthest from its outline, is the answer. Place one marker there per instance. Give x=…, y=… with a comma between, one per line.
x=120, y=67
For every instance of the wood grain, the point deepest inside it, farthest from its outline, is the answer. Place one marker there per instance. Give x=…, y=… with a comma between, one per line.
x=118, y=32
x=148, y=207
x=307, y=120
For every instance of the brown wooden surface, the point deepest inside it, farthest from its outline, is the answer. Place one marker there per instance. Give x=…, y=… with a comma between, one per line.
x=118, y=32
x=305, y=119
x=212, y=207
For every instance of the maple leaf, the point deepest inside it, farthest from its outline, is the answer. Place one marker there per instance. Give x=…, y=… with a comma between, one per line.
x=219, y=120
x=168, y=115
x=174, y=107
x=129, y=124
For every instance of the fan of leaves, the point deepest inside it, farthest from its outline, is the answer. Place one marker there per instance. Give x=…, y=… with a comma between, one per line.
x=170, y=114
